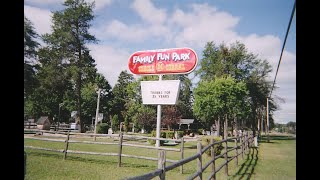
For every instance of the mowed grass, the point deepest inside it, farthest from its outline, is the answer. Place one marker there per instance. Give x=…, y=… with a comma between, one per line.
x=50, y=165
x=274, y=160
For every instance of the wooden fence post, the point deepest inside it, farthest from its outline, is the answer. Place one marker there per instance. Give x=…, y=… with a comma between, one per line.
x=236, y=146
x=66, y=146
x=199, y=147
x=162, y=164
x=226, y=146
x=252, y=140
x=213, y=167
x=25, y=163
x=249, y=140
x=247, y=143
x=241, y=144
x=182, y=149
x=120, y=149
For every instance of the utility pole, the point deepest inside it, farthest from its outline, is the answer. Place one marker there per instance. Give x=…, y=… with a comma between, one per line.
x=97, y=112
x=60, y=105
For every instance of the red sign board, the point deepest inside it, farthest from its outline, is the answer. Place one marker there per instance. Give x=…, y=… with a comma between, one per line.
x=163, y=61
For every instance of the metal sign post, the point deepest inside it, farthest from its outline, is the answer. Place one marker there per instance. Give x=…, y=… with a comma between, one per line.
x=158, y=119
x=97, y=114
x=162, y=92
x=161, y=62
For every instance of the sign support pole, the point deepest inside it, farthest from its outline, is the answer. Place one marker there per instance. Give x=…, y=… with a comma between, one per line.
x=97, y=113
x=158, y=119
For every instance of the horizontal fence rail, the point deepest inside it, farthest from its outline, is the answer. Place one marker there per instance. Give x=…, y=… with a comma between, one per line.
x=242, y=145
x=120, y=144
x=246, y=141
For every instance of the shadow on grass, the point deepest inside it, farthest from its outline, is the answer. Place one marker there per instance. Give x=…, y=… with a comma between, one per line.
x=247, y=168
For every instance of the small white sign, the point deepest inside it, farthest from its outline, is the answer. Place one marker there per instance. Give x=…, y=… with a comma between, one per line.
x=100, y=117
x=74, y=113
x=160, y=92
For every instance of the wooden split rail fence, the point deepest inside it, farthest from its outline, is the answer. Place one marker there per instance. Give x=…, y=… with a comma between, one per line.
x=246, y=141
x=120, y=137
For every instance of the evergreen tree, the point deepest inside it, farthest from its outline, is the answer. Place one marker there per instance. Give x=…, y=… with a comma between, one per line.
x=30, y=53
x=121, y=95
x=68, y=39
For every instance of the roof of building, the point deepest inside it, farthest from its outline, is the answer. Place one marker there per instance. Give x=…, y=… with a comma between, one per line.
x=186, y=121
x=42, y=120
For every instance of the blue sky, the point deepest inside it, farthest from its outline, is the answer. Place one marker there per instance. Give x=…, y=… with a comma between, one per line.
x=125, y=26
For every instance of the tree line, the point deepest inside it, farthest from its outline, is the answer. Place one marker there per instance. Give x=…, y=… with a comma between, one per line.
x=60, y=76
x=290, y=127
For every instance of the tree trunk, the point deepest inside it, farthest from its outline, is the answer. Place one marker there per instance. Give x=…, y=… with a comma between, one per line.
x=79, y=102
x=226, y=127
x=236, y=125
x=79, y=80
x=218, y=126
x=212, y=128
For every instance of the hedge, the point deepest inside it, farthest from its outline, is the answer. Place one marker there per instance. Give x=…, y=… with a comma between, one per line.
x=205, y=141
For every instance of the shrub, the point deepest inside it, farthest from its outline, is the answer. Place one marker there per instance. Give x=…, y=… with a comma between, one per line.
x=205, y=141
x=153, y=134
x=102, y=128
x=187, y=132
x=180, y=133
x=115, y=123
x=199, y=131
x=169, y=134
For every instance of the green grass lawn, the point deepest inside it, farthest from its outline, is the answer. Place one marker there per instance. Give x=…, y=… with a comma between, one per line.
x=275, y=160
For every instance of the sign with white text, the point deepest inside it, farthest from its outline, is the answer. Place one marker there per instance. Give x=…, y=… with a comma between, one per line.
x=74, y=113
x=160, y=92
x=100, y=117
x=163, y=61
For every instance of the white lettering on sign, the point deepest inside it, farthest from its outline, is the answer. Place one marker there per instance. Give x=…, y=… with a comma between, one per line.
x=182, y=56
x=160, y=92
x=161, y=57
x=143, y=60
x=166, y=94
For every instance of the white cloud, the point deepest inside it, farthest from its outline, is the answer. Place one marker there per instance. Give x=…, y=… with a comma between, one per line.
x=288, y=113
x=100, y=4
x=266, y=46
x=44, y=2
x=124, y=32
x=110, y=61
x=192, y=28
x=287, y=68
x=134, y=33
x=153, y=26
x=40, y=18
x=202, y=24
x=146, y=10
x=269, y=47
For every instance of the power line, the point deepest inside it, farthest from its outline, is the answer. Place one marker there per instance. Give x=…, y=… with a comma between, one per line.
x=284, y=43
